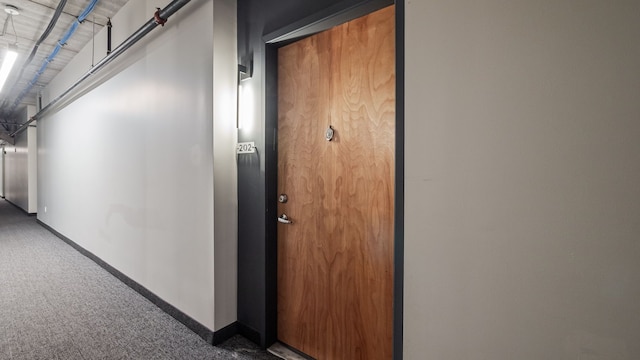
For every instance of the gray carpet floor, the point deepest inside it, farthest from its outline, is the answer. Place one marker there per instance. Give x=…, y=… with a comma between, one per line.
x=56, y=303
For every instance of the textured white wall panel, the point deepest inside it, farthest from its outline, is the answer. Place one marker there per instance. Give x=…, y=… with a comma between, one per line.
x=126, y=170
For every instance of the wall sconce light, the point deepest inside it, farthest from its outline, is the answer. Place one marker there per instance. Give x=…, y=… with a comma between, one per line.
x=244, y=73
x=10, y=57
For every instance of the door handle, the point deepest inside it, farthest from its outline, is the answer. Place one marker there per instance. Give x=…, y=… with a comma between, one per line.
x=284, y=219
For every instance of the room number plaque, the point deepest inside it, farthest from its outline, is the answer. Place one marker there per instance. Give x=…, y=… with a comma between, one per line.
x=246, y=148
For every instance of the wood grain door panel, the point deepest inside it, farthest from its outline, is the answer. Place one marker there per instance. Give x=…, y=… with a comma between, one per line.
x=335, y=261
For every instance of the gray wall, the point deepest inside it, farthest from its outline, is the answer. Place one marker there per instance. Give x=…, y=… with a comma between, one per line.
x=257, y=18
x=522, y=171
x=20, y=178
x=127, y=167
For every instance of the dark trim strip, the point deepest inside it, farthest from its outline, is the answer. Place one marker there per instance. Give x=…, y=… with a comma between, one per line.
x=398, y=248
x=271, y=183
x=250, y=333
x=19, y=207
x=325, y=19
x=202, y=331
x=225, y=333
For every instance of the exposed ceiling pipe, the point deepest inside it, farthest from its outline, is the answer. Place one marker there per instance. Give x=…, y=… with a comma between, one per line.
x=7, y=139
x=72, y=29
x=163, y=14
x=44, y=35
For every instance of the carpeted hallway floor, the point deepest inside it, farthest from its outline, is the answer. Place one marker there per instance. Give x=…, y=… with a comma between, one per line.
x=57, y=304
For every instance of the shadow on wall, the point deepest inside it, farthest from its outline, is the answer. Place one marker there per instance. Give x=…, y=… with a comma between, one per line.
x=134, y=217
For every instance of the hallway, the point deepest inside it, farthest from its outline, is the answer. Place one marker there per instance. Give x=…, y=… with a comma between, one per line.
x=57, y=304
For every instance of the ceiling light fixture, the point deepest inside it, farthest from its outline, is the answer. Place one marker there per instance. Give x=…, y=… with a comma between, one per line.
x=11, y=10
x=10, y=57
x=11, y=54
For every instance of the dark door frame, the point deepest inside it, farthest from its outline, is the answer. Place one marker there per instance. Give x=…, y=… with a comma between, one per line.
x=323, y=20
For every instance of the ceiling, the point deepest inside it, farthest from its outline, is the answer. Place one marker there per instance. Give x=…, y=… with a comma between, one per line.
x=31, y=22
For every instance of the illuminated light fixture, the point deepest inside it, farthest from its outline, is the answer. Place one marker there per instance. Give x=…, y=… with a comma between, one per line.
x=11, y=54
x=244, y=73
x=11, y=10
x=10, y=57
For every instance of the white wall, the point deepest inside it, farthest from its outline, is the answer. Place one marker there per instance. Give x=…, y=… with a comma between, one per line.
x=1, y=171
x=522, y=171
x=20, y=178
x=126, y=170
x=17, y=172
x=32, y=161
x=224, y=162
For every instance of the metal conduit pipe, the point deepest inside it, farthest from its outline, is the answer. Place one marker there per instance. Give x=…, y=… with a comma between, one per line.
x=163, y=14
x=109, y=26
x=43, y=37
x=54, y=53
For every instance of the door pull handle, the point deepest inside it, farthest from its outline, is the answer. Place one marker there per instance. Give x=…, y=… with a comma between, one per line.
x=284, y=219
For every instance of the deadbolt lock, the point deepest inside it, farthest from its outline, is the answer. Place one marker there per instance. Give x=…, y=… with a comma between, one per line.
x=283, y=198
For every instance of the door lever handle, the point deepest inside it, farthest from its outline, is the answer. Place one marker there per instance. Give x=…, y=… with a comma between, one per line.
x=284, y=219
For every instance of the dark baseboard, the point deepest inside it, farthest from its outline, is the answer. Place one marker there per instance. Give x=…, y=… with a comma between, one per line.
x=202, y=331
x=225, y=333
x=19, y=208
x=250, y=333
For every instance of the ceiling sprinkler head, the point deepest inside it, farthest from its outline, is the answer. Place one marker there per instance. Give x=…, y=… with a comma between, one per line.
x=11, y=10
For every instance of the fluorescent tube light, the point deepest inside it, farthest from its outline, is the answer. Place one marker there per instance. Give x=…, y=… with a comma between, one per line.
x=9, y=59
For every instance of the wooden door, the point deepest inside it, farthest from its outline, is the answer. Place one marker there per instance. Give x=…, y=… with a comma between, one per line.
x=335, y=260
